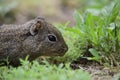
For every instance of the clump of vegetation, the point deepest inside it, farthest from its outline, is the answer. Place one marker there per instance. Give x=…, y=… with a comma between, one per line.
x=99, y=30
x=36, y=71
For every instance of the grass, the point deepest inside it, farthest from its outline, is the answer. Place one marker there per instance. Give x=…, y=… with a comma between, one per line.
x=36, y=71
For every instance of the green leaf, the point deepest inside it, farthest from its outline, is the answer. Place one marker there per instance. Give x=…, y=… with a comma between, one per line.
x=78, y=18
x=94, y=53
x=112, y=26
x=75, y=30
x=112, y=13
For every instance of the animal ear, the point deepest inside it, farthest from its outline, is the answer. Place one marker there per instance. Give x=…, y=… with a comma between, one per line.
x=39, y=24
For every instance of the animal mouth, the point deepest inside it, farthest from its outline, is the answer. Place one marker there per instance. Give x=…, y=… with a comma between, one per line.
x=55, y=54
x=60, y=53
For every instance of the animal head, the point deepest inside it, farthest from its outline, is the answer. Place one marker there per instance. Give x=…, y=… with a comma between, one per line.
x=44, y=39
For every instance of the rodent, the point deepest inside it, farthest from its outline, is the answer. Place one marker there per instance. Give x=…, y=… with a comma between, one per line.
x=34, y=38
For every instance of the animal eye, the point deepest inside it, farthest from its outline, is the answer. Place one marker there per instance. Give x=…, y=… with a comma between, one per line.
x=52, y=37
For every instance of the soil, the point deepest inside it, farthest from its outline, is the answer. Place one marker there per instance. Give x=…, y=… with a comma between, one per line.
x=97, y=71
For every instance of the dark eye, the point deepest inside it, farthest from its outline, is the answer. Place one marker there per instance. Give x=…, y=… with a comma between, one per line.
x=52, y=37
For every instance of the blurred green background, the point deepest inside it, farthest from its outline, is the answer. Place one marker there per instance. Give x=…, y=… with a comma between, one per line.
x=55, y=11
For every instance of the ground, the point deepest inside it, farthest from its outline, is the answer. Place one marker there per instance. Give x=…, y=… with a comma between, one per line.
x=98, y=72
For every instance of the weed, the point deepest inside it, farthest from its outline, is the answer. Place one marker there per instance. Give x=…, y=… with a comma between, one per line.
x=36, y=71
x=101, y=31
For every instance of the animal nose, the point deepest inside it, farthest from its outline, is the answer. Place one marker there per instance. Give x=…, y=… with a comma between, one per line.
x=65, y=48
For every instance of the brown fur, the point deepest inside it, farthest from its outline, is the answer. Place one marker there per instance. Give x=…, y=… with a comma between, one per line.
x=31, y=38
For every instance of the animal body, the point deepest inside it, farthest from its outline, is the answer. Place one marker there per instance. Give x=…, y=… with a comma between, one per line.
x=34, y=38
